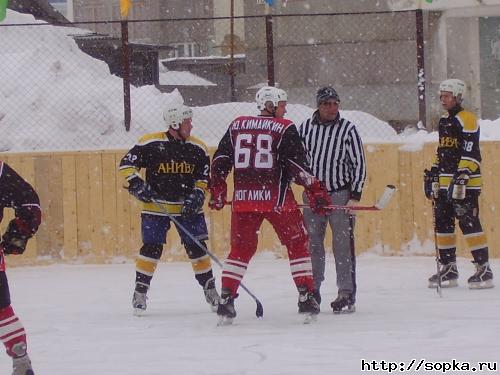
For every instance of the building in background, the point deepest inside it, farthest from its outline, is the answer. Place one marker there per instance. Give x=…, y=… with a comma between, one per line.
x=370, y=58
x=65, y=7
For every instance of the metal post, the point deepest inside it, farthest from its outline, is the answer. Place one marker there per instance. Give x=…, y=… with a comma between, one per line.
x=270, y=49
x=231, y=60
x=126, y=75
x=420, y=67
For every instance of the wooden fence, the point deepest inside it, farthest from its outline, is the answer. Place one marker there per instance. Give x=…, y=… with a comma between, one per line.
x=89, y=217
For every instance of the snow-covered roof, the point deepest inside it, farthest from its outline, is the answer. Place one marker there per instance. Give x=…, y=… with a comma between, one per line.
x=183, y=78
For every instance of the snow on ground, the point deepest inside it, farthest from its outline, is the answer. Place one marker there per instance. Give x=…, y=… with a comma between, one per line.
x=55, y=97
x=80, y=322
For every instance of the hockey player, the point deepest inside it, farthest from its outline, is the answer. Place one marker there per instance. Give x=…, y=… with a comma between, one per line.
x=456, y=168
x=266, y=153
x=19, y=195
x=177, y=170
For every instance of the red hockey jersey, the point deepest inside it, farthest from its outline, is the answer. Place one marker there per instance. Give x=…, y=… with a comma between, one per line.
x=266, y=154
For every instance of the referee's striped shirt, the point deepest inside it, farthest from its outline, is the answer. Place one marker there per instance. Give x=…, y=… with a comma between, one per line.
x=335, y=153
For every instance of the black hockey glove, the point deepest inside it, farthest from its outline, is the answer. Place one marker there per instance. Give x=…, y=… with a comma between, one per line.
x=14, y=241
x=141, y=190
x=431, y=183
x=458, y=186
x=193, y=203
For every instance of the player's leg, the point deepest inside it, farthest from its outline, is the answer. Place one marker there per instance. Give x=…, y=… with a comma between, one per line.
x=446, y=243
x=12, y=331
x=467, y=213
x=154, y=230
x=244, y=227
x=291, y=231
x=200, y=261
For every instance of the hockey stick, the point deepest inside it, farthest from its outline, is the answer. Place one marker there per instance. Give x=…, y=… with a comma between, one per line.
x=379, y=205
x=259, y=312
x=436, y=249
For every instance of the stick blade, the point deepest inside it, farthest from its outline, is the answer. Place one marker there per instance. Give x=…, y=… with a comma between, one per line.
x=259, y=312
x=386, y=197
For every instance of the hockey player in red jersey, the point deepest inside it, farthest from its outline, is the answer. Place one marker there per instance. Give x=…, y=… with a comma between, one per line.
x=17, y=194
x=267, y=154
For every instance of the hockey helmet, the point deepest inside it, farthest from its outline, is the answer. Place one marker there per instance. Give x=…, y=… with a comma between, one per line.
x=174, y=116
x=270, y=94
x=326, y=93
x=455, y=86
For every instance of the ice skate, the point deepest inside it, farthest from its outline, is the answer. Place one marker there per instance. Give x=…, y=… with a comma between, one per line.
x=317, y=296
x=308, y=306
x=449, y=276
x=139, y=303
x=22, y=366
x=343, y=304
x=483, y=278
x=225, y=308
x=211, y=295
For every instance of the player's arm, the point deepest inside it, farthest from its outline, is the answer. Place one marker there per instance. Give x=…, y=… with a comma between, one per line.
x=222, y=164
x=129, y=168
x=26, y=204
x=469, y=159
x=469, y=162
x=294, y=155
x=194, y=201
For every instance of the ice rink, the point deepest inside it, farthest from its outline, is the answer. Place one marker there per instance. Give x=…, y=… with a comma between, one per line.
x=80, y=321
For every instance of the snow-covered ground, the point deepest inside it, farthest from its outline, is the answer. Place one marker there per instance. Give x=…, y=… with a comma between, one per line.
x=80, y=322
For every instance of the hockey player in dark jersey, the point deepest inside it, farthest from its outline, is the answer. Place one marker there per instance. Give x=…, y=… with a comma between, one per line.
x=456, y=175
x=19, y=195
x=177, y=171
x=266, y=153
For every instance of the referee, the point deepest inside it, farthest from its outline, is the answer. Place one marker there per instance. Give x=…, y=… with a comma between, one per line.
x=337, y=159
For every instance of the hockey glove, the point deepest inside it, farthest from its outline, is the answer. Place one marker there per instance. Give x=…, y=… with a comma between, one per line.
x=193, y=203
x=14, y=240
x=458, y=186
x=218, y=196
x=141, y=190
x=318, y=198
x=431, y=183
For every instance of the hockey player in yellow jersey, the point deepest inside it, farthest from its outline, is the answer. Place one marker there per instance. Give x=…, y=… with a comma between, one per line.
x=454, y=182
x=177, y=167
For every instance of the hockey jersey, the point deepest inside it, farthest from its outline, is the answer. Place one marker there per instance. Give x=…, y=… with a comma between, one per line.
x=458, y=149
x=173, y=168
x=266, y=154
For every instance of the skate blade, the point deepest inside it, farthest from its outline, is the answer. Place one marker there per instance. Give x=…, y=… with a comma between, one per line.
x=139, y=312
x=224, y=321
x=349, y=310
x=444, y=284
x=488, y=284
x=310, y=318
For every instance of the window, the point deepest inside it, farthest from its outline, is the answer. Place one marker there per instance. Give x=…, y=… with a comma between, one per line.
x=188, y=49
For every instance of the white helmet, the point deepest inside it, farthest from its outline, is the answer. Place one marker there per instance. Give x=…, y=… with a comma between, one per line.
x=174, y=116
x=455, y=86
x=270, y=94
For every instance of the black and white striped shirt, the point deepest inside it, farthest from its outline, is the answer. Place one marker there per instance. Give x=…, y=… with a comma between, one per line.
x=335, y=153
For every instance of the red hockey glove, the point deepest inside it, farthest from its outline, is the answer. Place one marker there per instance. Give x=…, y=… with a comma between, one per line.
x=318, y=198
x=218, y=196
